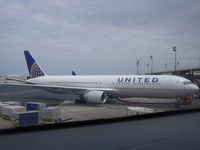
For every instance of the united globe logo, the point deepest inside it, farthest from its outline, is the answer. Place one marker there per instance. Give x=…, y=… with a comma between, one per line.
x=35, y=71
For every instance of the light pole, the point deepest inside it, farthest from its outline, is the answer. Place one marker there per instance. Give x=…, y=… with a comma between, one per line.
x=178, y=63
x=137, y=63
x=199, y=61
x=174, y=49
x=151, y=57
x=147, y=68
x=165, y=66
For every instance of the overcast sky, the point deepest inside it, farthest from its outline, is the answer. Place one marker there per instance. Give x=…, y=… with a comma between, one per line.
x=98, y=36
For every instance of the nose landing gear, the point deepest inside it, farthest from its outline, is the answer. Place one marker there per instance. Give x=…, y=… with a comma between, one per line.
x=187, y=100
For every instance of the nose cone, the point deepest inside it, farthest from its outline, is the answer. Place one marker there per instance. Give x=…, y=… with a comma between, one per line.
x=191, y=89
x=194, y=88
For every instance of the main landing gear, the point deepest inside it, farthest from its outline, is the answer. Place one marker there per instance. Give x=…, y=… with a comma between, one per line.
x=80, y=101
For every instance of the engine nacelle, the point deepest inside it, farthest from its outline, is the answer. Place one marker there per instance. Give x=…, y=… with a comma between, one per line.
x=95, y=97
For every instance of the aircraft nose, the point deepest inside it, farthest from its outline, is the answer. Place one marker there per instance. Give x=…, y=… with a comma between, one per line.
x=195, y=88
x=192, y=88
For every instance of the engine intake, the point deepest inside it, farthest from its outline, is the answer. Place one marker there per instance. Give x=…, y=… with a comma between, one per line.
x=95, y=97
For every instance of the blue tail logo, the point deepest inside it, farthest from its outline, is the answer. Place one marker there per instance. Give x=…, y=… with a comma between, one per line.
x=34, y=69
x=73, y=73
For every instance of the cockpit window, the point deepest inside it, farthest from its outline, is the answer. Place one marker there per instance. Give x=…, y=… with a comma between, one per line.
x=187, y=82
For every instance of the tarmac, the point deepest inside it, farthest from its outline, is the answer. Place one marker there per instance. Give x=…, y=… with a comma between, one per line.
x=174, y=132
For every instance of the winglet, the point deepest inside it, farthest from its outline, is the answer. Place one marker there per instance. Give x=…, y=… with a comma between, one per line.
x=33, y=67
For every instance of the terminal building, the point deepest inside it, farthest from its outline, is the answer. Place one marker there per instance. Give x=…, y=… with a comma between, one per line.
x=192, y=74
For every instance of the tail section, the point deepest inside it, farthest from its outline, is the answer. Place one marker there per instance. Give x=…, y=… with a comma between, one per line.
x=34, y=69
x=73, y=73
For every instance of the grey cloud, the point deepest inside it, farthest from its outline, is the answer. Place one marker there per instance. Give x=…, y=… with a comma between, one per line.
x=105, y=37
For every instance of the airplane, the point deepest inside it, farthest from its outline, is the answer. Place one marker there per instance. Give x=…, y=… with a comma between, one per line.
x=100, y=88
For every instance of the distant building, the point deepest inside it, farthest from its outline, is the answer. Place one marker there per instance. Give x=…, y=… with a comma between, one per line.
x=190, y=73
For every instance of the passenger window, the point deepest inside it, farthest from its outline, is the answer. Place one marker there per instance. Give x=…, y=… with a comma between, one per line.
x=187, y=82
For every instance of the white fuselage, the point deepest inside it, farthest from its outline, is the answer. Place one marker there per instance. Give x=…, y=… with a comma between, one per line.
x=152, y=86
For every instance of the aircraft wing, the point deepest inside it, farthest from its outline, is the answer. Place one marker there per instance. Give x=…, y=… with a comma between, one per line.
x=61, y=89
x=14, y=79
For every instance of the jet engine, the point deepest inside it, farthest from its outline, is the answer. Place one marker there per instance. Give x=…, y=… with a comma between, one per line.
x=95, y=97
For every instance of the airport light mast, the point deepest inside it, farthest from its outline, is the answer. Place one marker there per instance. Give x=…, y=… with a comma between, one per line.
x=178, y=63
x=174, y=49
x=147, y=68
x=199, y=61
x=137, y=63
x=151, y=57
x=165, y=66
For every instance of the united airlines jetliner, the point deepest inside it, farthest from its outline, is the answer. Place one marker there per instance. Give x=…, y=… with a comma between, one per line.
x=97, y=89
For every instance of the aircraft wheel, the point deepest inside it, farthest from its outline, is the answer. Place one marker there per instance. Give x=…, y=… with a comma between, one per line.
x=80, y=101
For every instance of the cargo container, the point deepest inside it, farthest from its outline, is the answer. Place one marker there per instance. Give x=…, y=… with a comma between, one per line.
x=27, y=118
x=30, y=106
x=1, y=105
x=8, y=111
x=12, y=103
x=51, y=114
x=139, y=110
